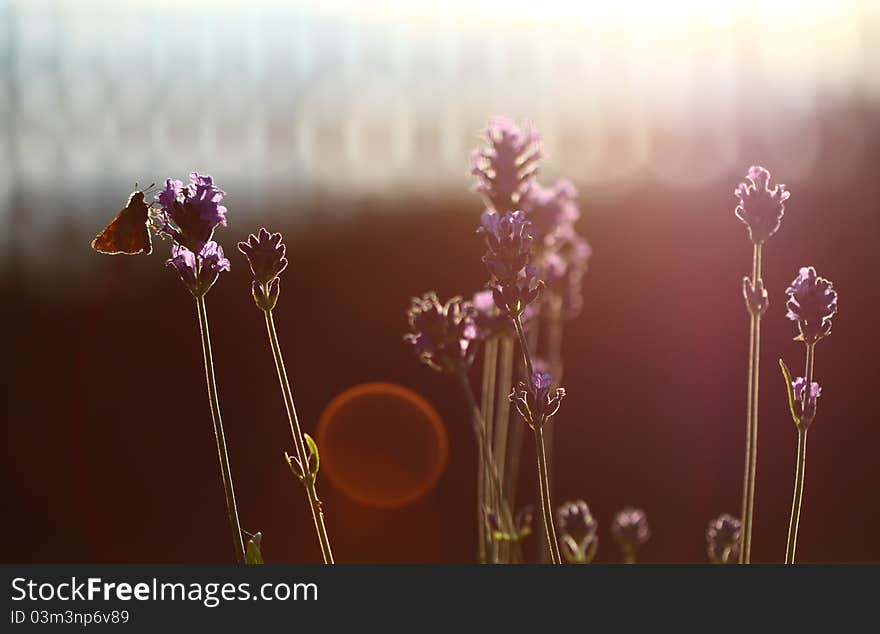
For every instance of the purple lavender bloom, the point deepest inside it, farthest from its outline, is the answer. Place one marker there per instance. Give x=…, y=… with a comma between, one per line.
x=630, y=528
x=551, y=210
x=265, y=254
x=189, y=215
x=198, y=271
x=812, y=302
x=514, y=281
x=442, y=334
x=563, y=270
x=760, y=207
x=579, y=532
x=805, y=403
x=535, y=401
x=723, y=538
x=506, y=169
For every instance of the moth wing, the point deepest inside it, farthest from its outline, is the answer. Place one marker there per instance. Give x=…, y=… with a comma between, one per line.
x=127, y=233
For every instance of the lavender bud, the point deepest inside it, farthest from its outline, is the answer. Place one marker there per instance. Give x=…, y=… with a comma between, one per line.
x=535, y=401
x=723, y=538
x=760, y=207
x=508, y=248
x=812, y=302
x=630, y=528
x=756, y=296
x=578, y=529
x=442, y=335
x=805, y=404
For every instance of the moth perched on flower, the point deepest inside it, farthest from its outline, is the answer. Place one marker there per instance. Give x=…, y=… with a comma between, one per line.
x=129, y=232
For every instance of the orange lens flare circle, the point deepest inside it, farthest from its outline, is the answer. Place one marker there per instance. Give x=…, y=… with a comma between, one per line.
x=382, y=445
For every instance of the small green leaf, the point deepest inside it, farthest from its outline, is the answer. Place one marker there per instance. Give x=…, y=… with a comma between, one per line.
x=253, y=555
x=314, y=456
x=790, y=391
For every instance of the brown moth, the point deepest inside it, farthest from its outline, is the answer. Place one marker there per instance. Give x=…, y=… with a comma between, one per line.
x=129, y=231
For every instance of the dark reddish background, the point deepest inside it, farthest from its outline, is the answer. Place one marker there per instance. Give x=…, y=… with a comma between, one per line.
x=109, y=454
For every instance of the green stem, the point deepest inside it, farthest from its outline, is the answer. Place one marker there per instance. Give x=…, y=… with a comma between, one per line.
x=487, y=407
x=299, y=443
x=748, y=507
x=485, y=451
x=546, y=506
x=219, y=435
x=800, y=468
x=504, y=436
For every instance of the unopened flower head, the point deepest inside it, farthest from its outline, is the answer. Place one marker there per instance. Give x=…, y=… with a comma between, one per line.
x=190, y=214
x=760, y=207
x=812, y=302
x=514, y=281
x=198, y=271
x=535, y=401
x=505, y=170
x=756, y=296
x=805, y=402
x=722, y=539
x=630, y=528
x=265, y=254
x=442, y=334
x=578, y=530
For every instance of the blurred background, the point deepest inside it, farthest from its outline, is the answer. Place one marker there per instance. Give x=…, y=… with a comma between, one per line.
x=348, y=127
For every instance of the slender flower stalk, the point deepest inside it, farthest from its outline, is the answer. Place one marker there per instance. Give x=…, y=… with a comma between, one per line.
x=444, y=336
x=265, y=253
x=761, y=209
x=189, y=215
x=812, y=302
x=219, y=434
x=487, y=409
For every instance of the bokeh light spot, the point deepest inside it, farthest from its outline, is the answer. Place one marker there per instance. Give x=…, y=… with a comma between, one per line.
x=382, y=445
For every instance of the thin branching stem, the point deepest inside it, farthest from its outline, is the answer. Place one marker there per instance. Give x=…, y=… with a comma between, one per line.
x=543, y=478
x=800, y=467
x=751, y=462
x=219, y=435
x=299, y=443
x=486, y=456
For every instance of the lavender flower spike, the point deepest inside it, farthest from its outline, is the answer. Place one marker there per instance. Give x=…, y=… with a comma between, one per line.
x=723, y=539
x=579, y=532
x=190, y=214
x=760, y=207
x=630, y=530
x=265, y=253
x=514, y=281
x=198, y=272
x=442, y=334
x=506, y=169
x=535, y=401
x=812, y=302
